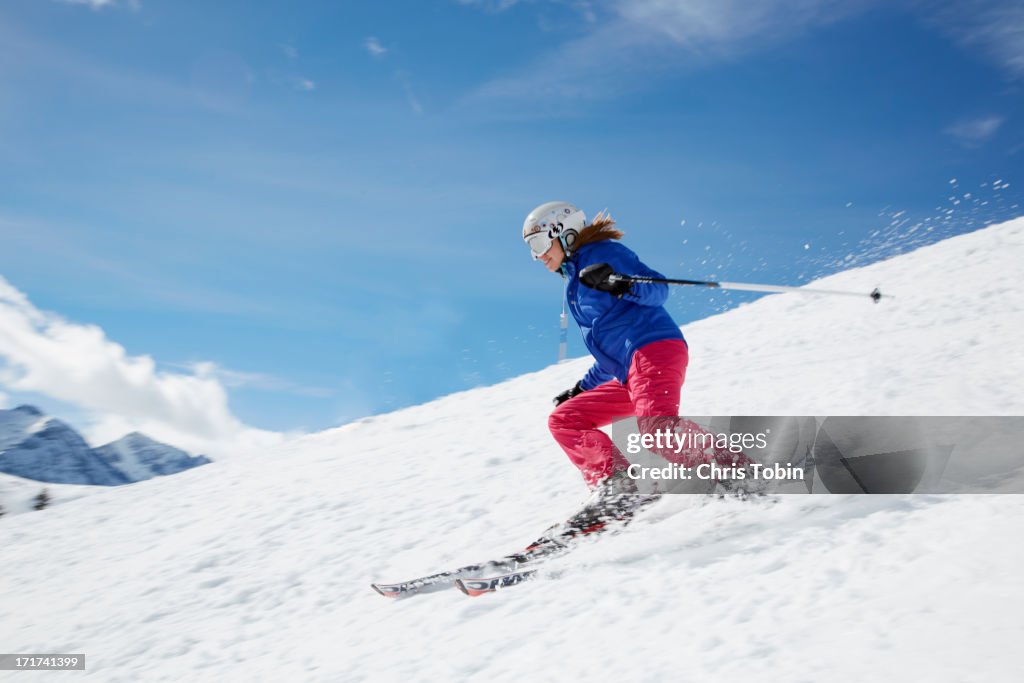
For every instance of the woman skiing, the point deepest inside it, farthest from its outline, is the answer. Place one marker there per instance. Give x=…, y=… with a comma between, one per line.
x=639, y=351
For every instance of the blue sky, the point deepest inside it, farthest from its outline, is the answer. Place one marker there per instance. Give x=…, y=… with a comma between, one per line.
x=312, y=209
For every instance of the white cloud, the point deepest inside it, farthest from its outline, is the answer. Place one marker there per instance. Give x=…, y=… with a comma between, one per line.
x=995, y=27
x=493, y=5
x=42, y=352
x=253, y=380
x=374, y=47
x=134, y=5
x=55, y=62
x=410, y=94
x=296, y=81
x=94, y=4
x=975, y=131
x=3, y=400
x=636, y=41
x=726, y=26
x=648, y=37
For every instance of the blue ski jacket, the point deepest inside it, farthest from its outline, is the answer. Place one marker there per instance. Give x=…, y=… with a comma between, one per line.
x=613, y=329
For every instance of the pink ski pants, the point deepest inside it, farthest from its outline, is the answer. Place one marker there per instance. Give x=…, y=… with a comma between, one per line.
x=651, y=393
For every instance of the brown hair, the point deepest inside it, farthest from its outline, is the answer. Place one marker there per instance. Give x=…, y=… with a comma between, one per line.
x=603, y=228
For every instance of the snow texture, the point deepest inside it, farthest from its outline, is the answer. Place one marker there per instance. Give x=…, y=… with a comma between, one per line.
x=257, y=568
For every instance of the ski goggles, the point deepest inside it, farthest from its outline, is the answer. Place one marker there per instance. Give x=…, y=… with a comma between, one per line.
x=539, y=243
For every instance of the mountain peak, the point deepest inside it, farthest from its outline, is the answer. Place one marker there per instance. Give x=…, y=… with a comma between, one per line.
x=29, y=410
x=141, y=457
x=136, y=438
x=48, y=449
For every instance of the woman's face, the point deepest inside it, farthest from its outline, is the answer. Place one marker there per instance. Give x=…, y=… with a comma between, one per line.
x=554, y=256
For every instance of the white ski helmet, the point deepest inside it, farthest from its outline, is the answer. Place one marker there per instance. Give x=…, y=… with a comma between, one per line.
x=551, y=221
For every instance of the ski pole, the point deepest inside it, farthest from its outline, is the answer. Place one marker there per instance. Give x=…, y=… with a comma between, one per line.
x=875, y=294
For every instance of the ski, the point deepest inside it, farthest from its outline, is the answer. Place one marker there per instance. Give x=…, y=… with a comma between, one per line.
x=477, y=587
x=506, y=569
x=447, y=579
x=427, y=584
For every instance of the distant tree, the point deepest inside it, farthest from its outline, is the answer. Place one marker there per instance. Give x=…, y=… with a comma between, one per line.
x=1, y=511
x=42, y=500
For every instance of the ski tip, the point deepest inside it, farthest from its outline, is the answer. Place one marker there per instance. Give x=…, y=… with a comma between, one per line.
x=388, y=591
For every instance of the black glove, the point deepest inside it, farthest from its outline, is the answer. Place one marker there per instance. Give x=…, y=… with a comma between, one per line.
x=568, y=393
x=598, y=276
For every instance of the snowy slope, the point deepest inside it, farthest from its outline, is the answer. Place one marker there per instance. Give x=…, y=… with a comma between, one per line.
x=257, y=567
x=17, y=494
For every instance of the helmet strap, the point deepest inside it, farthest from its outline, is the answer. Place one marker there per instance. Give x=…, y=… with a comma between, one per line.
x=565, y=246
